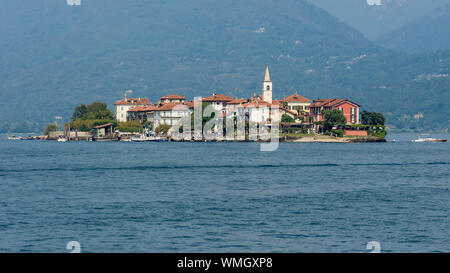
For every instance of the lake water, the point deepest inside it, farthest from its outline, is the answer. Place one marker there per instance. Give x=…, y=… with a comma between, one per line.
x=224, y=197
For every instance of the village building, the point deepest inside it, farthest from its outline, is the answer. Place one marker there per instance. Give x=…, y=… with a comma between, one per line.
x=296, y=103
x=255, y=111
x=348, y=108
x=103, y=131
x=172, y=99
x=218, y=101
x=141, y=113
x=123, y=106
x=171, y=113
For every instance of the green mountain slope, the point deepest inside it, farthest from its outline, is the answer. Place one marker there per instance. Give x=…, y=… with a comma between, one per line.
x=54, y=56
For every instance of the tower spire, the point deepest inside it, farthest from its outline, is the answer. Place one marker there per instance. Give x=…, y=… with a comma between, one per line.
x=267, y=77
x=267, y=87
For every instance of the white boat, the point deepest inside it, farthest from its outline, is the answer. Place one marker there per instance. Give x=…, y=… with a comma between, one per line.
x=429, y=139
x=14, y=138
x=62, y=139
x=145, y=137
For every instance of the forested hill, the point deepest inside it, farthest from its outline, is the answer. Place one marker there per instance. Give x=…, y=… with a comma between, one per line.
x=54, y=56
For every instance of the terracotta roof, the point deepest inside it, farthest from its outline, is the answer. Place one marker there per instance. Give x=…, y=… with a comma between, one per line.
x=218, y=97
x=276, y=102
x=143, y=109
x=173, y=97
x=237, y=101
x=170, y=106
x=330, y=102
x=255, y=104
x=103, y=125
x=139, y=101
x=296, y=98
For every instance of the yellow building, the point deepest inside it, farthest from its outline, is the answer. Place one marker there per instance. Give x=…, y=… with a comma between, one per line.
x=123, y=106
x=296, y=103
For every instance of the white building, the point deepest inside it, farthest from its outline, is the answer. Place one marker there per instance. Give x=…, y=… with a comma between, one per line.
x=123, y=106
x=171, y=113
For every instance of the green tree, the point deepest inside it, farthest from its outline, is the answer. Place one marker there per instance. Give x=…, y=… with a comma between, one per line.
x=95, y=110
x=372, y=118
x=287, y=119
x=80, y=112
x=51, y=127
x=162, y=129
x=332, y=118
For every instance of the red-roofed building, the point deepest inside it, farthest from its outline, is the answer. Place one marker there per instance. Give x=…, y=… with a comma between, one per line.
x=218, y=101
x=296, y=103
x=349, y=109
x=172, y=99
x=123, y=106
x=141, y=113
x=171, y=113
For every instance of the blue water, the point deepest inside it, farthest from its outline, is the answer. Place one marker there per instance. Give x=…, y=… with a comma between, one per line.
x=224, y=197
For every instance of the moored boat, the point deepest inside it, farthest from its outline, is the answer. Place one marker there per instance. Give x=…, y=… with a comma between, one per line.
x=429, y=139
x=147, y=136
x=62, y=139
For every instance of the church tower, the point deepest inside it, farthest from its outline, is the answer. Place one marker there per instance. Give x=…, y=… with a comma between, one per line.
x=267, y=87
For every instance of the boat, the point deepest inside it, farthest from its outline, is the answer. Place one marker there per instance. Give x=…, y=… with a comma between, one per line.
x=429, y=139
x=62, y=139
x=147, y=136
x=14, y=138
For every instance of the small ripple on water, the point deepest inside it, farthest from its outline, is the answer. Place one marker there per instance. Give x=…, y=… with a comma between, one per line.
x=141, y=168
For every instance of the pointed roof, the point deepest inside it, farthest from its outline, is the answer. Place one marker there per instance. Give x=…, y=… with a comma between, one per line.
x=267, y=77
x=296, y=98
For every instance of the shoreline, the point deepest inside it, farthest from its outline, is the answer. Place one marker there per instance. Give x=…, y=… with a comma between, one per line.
x=291, y=139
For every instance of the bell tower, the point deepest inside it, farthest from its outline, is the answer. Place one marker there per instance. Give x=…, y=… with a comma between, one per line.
x=267, y=87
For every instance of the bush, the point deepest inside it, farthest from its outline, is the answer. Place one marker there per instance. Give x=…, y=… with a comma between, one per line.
x=338, y=133
x=130, y=126
x=287, y=119
x=51, y=127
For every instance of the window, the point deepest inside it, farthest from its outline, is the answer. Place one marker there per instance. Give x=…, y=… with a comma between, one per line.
x=268, y=88
x=121, y=108
x=341, y=109
x=353, y=110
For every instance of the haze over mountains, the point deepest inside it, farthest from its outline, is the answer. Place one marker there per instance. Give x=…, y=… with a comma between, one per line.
x=54, y=57
x=374, y=18
x=427, y=33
